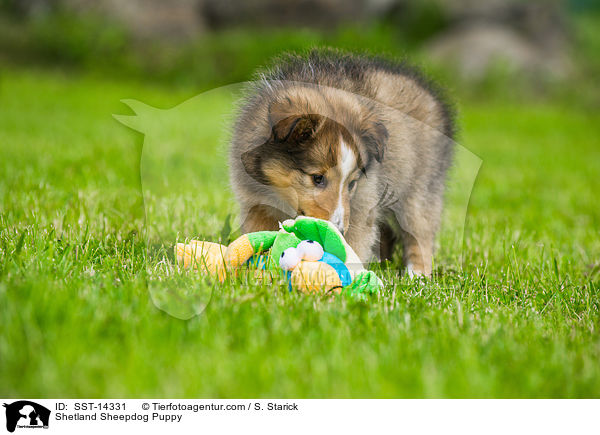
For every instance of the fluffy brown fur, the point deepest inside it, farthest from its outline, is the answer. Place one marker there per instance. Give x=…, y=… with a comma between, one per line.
x=358, y=140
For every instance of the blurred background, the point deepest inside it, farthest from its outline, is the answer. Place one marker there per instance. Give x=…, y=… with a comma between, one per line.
x=518, y=317
x=523, y=77
x=517, y=49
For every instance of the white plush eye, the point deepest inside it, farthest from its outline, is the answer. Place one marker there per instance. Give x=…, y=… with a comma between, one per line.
x=310, y=250
x=289, y=259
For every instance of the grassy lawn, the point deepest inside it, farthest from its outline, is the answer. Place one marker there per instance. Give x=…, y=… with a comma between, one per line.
x=83, y=302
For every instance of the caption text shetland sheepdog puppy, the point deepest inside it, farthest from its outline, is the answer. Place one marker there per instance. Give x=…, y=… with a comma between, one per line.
x=358, y=140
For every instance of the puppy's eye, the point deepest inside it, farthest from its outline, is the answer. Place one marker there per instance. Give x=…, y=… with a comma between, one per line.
x=352, y=185
x=319, y=180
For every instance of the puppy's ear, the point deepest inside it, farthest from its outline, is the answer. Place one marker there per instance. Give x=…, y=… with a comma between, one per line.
x=375, y=137
x=252, y=161
x=296, y=128
x=287, y=125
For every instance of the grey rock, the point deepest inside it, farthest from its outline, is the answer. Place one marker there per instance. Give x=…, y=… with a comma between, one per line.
x=526, y=37
x=175, y=19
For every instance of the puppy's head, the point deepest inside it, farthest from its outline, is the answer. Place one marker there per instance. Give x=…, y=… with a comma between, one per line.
x=315, y=163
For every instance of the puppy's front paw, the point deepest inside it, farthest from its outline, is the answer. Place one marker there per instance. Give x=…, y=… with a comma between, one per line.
x=415, y=272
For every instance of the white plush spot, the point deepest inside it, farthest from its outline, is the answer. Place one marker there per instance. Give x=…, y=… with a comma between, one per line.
x=310, y=250
x=287, y=223
x=289, y=259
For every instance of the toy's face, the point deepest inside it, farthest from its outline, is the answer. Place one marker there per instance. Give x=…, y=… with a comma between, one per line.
x=307, y=250
x=324, y=232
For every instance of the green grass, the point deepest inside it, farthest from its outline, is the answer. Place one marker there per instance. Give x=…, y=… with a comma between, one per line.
x=518, y=317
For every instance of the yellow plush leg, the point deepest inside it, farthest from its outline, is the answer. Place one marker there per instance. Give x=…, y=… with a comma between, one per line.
x=238, y=252
x=206, y=257
x=315, y=277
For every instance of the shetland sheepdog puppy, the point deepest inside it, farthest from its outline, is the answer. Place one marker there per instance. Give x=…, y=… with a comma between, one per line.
x=361, y=141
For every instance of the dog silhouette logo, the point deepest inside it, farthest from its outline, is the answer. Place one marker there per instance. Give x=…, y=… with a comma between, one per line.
x=26, y=414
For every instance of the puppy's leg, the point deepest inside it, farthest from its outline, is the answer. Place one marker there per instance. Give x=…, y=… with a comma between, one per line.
x=259, y=218
x=417, y=252
x=418, y=224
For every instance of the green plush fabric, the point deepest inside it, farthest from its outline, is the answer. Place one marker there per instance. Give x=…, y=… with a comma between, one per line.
x=262, y=240
x=365, y=282
x=306, y=228
x=324, y=232
x=292, y=232
x=283, y=241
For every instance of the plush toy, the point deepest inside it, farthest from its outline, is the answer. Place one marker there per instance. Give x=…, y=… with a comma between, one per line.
x=309, y=253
